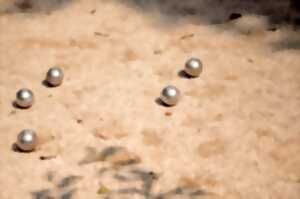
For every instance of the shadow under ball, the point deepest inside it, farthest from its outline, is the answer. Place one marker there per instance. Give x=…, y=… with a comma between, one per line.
x=170, y=95
x=24, y=98
x=193, y=67
x=54, y=76
x=27, y=140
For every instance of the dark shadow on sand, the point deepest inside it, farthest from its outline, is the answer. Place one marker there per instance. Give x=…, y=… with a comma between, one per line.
x=159, y=102
x=182, y=74
x=172, y=13
x=16, y=106
x=46, y=84
x=41, y=194
x=33, y=6
x=212, y=12
x=287, y=44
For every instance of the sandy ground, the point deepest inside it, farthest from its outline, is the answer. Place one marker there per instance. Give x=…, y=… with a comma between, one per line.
x=235, y=133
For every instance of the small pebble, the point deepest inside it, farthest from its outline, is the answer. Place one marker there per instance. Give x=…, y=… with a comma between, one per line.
x=93, y=11
x=47, y=157
x=168, y=113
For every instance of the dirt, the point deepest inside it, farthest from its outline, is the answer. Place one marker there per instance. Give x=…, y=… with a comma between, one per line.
x=233, y=135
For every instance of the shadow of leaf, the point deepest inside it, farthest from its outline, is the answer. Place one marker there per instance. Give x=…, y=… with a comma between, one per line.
x=130, y=191
x=92, y=155
x=33, y=6
x=118, y=156
x=42, y=194
x=110, y=151
x=68, y=195
x=68, y=181
x=148, y=179
x=287, y=44
x=185, y=191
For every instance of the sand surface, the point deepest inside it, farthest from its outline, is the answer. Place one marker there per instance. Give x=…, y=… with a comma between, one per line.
x=234, y=134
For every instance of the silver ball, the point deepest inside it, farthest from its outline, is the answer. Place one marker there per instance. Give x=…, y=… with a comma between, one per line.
x=27, y=140
x=54, y=76
x=24, y=98
x=170, y=95
x=193, y=67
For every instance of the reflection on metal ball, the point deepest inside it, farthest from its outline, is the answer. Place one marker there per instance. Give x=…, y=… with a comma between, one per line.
x=24, y=98
x=193, y=67
x=170, y=95
x=27, y=140
x=55, y=76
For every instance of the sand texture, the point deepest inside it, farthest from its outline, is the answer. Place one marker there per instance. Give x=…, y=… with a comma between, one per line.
x=235, y=134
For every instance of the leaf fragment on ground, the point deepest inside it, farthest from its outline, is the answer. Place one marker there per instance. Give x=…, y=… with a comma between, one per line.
x=103, y=190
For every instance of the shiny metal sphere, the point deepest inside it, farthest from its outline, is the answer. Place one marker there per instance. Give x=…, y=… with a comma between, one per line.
x=55, y=76
x=170, y=95
x=193, y=67
x=27, y=140
x=24, y=98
